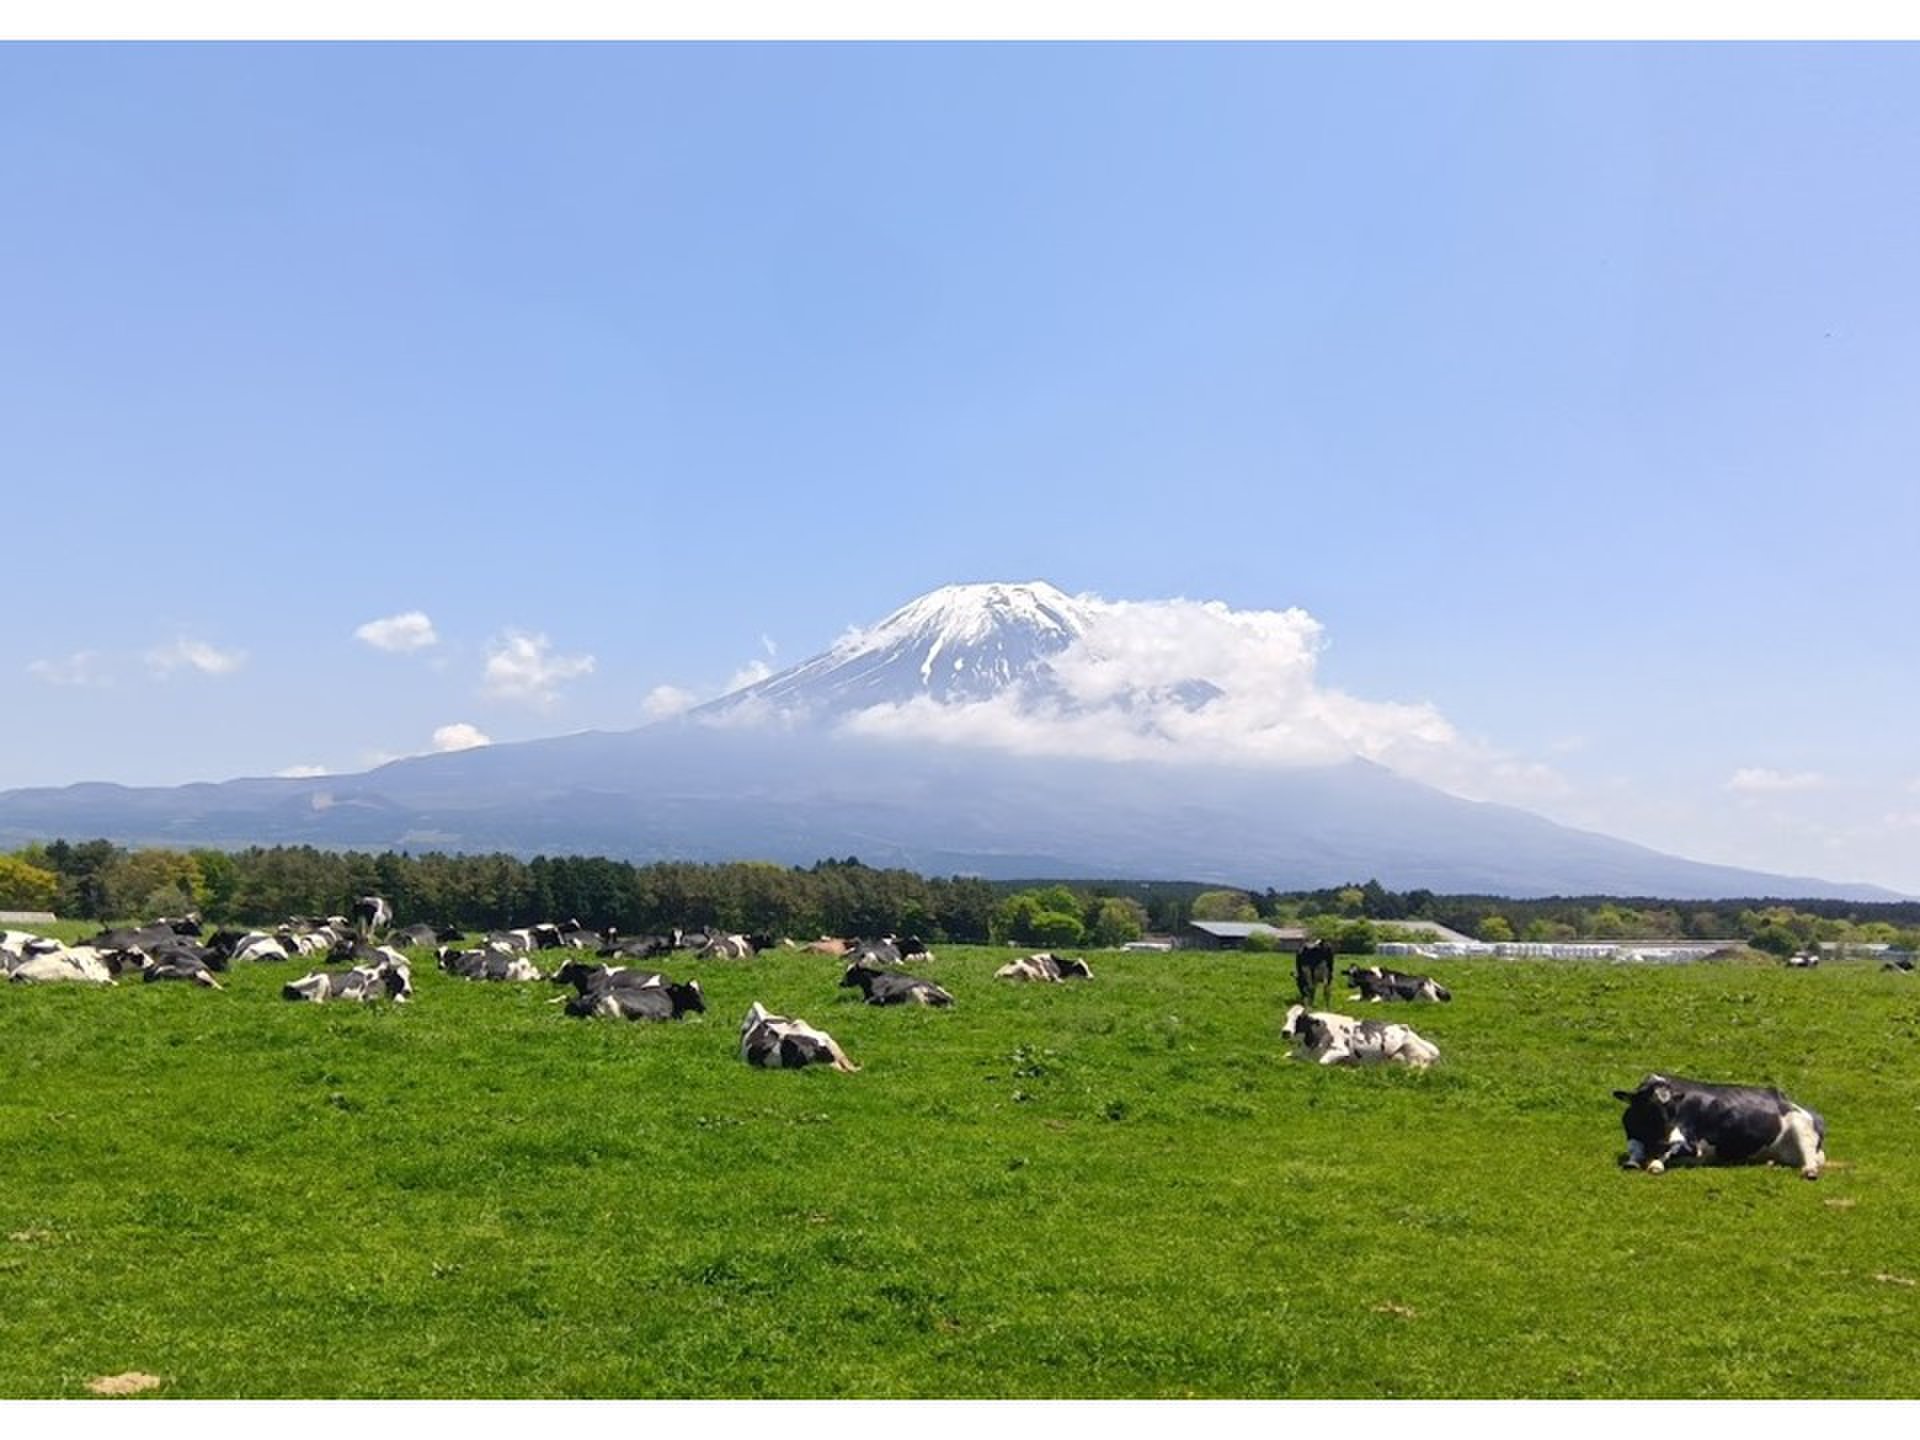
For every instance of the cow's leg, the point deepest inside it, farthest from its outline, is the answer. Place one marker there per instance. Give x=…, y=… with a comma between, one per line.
x=1803, y=1145
x=1678, y=1148
x=1636, y=1155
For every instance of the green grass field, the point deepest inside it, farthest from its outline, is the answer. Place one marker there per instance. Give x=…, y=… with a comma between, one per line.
x=1112, y=1189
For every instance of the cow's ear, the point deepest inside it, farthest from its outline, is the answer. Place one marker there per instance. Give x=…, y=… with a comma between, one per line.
x=1623, y=1094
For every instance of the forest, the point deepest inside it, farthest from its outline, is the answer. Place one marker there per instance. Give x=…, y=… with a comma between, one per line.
x=96, y=879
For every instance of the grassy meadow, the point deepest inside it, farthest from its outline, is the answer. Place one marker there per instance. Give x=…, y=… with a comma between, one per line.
x=1120, y=1188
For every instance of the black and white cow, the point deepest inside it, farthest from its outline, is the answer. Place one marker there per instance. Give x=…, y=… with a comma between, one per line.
x=775, y=1042
x=1329, y=1039
x=654, y=999
x=486, y=964
x=1313, y=970
x=1670, y=1121
x=179, y=965
x=726, y=947
x=1902, y=963
x=888, y=987
x=414, y=936
x=62, y=965
x=1376, y=984
x=633, y=947
x=1045, y=966
x=372, y=913
x=873, y=952
x=388, y=977
x=1803, y=960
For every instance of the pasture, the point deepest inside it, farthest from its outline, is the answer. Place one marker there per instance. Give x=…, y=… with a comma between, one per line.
x=1118, y=1188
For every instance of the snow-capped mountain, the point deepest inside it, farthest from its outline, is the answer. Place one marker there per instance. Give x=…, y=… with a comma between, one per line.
x=1050, y=691
x=956, y=644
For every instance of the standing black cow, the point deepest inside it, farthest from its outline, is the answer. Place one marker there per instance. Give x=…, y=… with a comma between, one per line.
x=1313, y=970
x=372, y=914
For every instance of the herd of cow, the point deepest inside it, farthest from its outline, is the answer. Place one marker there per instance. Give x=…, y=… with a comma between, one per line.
x=1668, y=1121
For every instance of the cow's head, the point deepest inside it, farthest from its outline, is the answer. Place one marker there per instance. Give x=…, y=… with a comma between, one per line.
x=1648, y=1120
x=858, y=976
x=1294, y=1016
x=687, y=997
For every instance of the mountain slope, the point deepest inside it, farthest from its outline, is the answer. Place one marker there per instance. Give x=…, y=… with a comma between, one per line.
x=721, y=783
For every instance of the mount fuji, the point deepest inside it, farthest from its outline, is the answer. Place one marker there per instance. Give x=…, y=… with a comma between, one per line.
x=1004, y=730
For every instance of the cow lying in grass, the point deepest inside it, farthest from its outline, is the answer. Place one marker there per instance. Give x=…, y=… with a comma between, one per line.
x=1045, y=967
x=177, y=965
x=387, y=977
x=889, y=987
x=775, y=1042
x=78, y=965
x=1688, y=1122
x=486, y=963
x=630, y=995
x=1329, y=1039
x=1375, y=984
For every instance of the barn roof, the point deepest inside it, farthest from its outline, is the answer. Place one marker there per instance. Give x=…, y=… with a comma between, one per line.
x=1241, y=929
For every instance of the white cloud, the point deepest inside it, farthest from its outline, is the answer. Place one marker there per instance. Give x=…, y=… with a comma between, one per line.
x=665, y=700
x=1191, y=681
x=194, y=655
x=459, y=736
x=520, y=667
x=398, y=634
x=302, y=772
x=751, y=673
x=1761, y=781
x=77, y=669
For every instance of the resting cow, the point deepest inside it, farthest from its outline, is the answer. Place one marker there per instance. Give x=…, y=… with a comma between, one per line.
x=80, y=965
x=1313, y=970
x=1376, y=984
x=1051, y=968
x=1329, y=1039
x=775, y=1042
x=486, y=964
x=1670, y=1121
x=652, y=999
x=389, y=978
x=887, y=987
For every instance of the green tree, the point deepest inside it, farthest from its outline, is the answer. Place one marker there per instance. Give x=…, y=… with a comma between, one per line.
x=1116, y=920
x=1224, y=905
x=1496, y=929
x=26, y=887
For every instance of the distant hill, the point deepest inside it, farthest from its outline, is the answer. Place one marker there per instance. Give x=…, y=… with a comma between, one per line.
x=766, y=773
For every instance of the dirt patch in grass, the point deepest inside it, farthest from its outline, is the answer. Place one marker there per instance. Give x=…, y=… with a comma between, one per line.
x=130, y=1382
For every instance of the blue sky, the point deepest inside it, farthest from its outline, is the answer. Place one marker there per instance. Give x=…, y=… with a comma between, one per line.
x=1571, y=389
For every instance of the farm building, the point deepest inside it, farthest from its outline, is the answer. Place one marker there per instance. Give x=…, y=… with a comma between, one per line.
x=1232, y=935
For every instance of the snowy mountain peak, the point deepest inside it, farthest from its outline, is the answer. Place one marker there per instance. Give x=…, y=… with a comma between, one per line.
x=952, y=645
x=963, y=615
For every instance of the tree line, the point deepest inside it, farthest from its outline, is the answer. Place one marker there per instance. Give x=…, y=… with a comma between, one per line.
x=96, y=879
